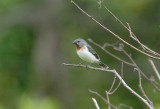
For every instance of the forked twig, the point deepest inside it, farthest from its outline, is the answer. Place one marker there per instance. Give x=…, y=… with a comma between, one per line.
x=133, y=63
x=96, y=93
x=132, y=35
x=113, y=32
x=111, y=54
x=111, y=92
x=119, y=77
x=141, y=88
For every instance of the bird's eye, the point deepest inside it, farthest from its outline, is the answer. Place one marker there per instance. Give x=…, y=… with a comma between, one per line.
x=78, y=41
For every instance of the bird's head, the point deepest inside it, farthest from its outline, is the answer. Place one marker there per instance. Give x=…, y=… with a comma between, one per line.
x=80, y=42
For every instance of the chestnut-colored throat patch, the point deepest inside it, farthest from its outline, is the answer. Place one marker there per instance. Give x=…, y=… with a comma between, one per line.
x=79, y=48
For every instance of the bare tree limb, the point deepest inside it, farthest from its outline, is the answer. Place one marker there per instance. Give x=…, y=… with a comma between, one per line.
x=155, y=69
x=119, y=77
x=144, y=75
x=141, y=88
x=113, y=32
x=114, y=80
x=100, y=96
x=120, y=48
x=132, y=35
x=90, y=40
x=118, y=83
x=109, y=106
x=133, y=63
x=95, y=102
x=123, y=105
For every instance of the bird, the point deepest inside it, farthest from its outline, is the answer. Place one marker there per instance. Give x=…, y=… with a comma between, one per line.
x=87, y=53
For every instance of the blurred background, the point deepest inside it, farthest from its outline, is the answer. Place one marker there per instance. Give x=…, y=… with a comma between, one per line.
x=36, y=38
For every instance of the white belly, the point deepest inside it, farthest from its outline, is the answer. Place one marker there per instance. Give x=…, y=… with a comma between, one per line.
x=85, y=55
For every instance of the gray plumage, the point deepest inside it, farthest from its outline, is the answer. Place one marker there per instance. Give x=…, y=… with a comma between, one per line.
x=81, y=42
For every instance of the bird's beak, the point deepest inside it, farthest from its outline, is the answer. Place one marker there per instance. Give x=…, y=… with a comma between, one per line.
x=74, y=42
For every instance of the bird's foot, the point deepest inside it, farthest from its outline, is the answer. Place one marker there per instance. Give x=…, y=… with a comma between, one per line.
x=80, y=64
x=87, y=66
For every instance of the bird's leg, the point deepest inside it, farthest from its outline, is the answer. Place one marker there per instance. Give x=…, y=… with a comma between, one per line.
x=81, y=63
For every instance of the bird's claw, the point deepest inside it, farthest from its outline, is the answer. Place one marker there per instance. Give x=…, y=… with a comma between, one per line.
x=87, y=66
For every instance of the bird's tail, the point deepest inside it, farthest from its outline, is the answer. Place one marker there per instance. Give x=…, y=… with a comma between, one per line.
x=103, y=65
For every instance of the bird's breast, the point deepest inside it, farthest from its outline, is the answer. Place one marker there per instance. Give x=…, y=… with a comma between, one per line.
x=80, y=48
x=85, y=55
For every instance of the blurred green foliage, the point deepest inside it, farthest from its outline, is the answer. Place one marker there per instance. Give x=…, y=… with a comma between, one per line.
x=20, y=87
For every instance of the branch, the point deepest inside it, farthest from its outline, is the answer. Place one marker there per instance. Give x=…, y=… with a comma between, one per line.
x=100, y=96
x=132, y=35
x=155, y=69
x=123, y=105
x=120, y=78
x=107, y=94
x=133, y=63
x=119, y=81
x=141, y=88
x=144, y=75
x=112, y=32
x=120, y=48
x=95, y=102
x=114, y=80
x=90, y=40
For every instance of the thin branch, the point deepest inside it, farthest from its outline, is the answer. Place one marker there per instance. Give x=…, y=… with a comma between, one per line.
x=100, y=96
x=95, y=103
x=120, y=48
x=100, y=3
x=110, y=90
x=112, y=32
x=114, y=80
x=155, y=69
x=153, y=82
x=141, y=88
x=120, y=78
x=109, y=106
x=119, y=81
x=123, y=105
x=90, y=40
x=150, y=80
x=132, y=34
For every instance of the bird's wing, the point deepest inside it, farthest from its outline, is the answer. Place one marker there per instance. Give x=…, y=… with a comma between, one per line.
x=91, y=50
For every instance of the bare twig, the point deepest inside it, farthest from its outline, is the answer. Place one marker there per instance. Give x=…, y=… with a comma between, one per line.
x=90, y=40
x=113, y=32
x=114, y=80
x=132, y=35
x=133, y=63
x=155, y=69
x=141, y=88
x=100, y=3
x=100, y=96
x=95, y=102
x=109, y=106
x=119, y=81
x=144, y=75
x=123, y=105
x=110, y=90
x=120, y=78
x=120, y=48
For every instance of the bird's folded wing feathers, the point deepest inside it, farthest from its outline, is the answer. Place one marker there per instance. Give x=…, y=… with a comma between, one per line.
x=91, y=50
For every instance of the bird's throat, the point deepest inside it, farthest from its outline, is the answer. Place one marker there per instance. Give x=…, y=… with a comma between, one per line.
x=79, y=48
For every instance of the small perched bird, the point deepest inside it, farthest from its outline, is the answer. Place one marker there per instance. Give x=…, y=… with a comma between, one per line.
x=87, y=53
